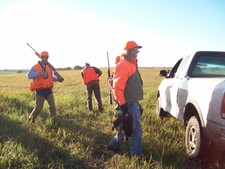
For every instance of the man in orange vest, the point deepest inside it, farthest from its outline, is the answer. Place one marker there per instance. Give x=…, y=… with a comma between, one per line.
x=110, y=81
x=90, y=76
x=127, y=90
x=42, y=83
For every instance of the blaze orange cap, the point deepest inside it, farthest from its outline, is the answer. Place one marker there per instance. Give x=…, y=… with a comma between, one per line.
x=44, y=53
x=118, y=58
x=131, y=44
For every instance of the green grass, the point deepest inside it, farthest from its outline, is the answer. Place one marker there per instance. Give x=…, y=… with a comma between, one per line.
x=80, y=138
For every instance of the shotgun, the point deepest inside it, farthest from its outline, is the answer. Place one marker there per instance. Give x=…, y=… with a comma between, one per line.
x=60, y=78
x=109, y=76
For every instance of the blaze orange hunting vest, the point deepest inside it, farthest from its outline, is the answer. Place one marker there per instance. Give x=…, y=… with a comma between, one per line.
x=89, y=74
x=40, y=83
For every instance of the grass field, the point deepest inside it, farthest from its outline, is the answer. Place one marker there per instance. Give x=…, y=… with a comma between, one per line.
x=80, y=138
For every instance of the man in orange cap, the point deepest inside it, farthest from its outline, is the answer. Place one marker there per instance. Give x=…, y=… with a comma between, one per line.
x=117, y=60
x=127, y=90
x=110, y=80
x=90, y=76
x=122, y=56
x=42, y=83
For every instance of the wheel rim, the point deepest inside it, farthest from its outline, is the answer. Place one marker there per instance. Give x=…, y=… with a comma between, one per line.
x=192, y=141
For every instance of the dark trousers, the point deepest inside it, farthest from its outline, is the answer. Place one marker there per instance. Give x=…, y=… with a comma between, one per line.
x=40, y=103
x=94, y=86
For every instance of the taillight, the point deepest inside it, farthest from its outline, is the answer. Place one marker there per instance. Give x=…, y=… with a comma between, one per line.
x=223, y=107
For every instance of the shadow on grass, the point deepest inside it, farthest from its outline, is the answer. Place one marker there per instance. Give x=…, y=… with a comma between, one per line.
x=14, y=103
x=98, y=139
x=46, y=153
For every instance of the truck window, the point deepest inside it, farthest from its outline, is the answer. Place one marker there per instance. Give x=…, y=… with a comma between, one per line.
x=208, y=64
x=181, y=71
x=174, y=69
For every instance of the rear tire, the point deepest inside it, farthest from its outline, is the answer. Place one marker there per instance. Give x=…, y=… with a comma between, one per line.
x=197, y=146
x=194, y=140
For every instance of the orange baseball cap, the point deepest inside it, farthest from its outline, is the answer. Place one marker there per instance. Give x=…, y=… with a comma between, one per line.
x=131, y=44
x=44, y=53
x=118, y=58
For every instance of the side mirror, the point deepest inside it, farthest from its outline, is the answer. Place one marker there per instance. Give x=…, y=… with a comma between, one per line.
x=163, y=73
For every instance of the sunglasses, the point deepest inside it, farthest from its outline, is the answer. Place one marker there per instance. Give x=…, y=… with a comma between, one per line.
x=45, y=57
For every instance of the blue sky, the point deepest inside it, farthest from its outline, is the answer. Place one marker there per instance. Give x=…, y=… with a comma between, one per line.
x=79, y=31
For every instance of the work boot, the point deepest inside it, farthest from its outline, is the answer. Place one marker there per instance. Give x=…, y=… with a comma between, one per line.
x=90, y=108
x=115, y=149
x=55, y=122
x=114, y=146
x=31, y=119
x=100, y=109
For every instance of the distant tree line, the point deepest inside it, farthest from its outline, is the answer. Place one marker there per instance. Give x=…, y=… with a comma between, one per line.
x=77, y=67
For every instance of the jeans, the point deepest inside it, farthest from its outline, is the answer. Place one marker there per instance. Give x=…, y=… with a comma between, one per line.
x=136, y=137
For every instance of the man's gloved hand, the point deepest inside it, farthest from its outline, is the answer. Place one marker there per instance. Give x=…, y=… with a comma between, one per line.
x=124, y=108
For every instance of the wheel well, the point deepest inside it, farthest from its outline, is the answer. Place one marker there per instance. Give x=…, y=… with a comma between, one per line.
x=190, y=111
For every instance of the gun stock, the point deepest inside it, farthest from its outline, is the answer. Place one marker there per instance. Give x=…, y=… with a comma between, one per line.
x=60, y=78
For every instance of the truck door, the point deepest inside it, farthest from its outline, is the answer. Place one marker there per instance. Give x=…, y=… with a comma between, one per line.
x=178, y=89
x=172, y=89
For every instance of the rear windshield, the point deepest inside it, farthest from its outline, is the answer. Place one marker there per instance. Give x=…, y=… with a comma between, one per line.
x=208, y=64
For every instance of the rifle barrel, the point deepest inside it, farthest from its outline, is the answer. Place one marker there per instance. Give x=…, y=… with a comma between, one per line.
x=31, y=47
x=109, y=76
x=108, y=65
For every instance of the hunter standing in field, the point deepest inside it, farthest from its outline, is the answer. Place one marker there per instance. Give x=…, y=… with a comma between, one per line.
x=110, y=81
x=90, y=76
x=127, y=90
x=42, y=83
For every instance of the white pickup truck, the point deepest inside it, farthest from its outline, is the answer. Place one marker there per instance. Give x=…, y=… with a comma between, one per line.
x=193, y=91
